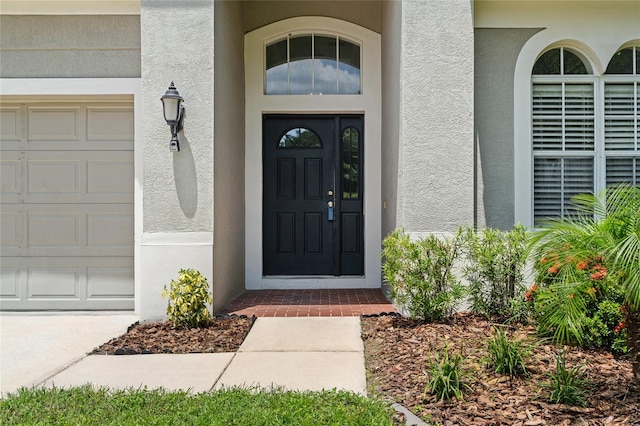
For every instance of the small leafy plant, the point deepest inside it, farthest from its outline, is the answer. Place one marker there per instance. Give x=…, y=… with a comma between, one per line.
x=188, y=299
x=446, y=376
x=420, y=274
x=567, y=386
x=506, y=356
x=495, y=272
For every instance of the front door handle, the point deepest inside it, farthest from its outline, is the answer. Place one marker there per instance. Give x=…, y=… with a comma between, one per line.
x=330, y=215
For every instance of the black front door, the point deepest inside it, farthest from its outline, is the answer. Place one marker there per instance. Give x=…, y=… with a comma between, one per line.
x=312, y=195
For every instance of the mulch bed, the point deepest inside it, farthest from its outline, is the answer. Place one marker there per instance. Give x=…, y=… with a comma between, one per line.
x=398, y=352
x=221, y=335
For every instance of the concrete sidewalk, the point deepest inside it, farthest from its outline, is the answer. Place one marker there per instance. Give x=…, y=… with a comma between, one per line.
x=34, y=347
x=296, y=353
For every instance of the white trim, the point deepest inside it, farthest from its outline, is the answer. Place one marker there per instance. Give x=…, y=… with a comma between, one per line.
x=257, y=104
x=69, y=87
x=70, y=7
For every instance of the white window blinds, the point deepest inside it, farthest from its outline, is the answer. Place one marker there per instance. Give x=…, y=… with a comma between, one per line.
x=563, y=145
x=621, y=127
x=585, y=128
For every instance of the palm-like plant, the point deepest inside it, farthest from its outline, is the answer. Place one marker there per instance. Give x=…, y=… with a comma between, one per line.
x=598, y=244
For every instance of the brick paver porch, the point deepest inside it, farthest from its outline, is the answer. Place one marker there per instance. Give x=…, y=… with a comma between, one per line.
x=310, y=303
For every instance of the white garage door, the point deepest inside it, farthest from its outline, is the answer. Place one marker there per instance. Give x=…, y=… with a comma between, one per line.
x=66, y=205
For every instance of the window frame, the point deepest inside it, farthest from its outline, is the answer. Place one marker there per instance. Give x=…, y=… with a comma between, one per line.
x=599, y=152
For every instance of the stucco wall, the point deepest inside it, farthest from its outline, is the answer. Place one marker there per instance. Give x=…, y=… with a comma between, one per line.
x=436, y=109
x=262, y=12
x=496, y=53
x=391, y=41
x=69, y=46
x=228, y=209
x=177, y=38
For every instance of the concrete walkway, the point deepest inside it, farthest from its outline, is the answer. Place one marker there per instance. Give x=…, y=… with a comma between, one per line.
x=312, y=353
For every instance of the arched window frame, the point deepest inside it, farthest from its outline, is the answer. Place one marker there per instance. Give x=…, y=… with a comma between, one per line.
x=570, y=157
x=523, y=85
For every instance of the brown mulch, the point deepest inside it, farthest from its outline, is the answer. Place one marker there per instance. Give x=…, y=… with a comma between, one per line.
x=221, y=335
x=398, y=352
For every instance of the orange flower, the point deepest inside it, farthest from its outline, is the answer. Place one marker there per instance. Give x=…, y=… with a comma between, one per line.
x=582, y=265
x=618, y=328
x=600, y=272
x=554, y=268
x=528, y=296
x=534, y=287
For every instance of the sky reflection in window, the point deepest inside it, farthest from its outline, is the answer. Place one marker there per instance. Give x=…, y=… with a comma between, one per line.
x=313, y=64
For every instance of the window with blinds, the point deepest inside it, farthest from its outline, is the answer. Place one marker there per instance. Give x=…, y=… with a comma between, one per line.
x=585, y=129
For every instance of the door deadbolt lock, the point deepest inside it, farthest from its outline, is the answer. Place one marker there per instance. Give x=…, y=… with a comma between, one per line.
x=330, y=192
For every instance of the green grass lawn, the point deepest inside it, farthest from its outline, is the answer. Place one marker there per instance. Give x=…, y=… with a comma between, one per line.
x=87, y=406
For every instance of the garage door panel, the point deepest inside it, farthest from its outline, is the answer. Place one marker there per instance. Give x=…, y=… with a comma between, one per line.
x=66, y=283
x=100, y=124
x=79, y=177
x=12, y=181
x=59, y=230
x=10, y=282
x=53, y=282
x=109, y=282
x=110, y=230
x=53, y=123
x=12, y=235
x=11, y=134
x=53, y=230
x=52, y=177
x=111, y=177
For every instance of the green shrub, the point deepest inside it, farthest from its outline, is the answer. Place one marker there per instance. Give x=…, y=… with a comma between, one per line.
x=578, y=291
x=188, y=298
x=495, y=270
x=420, y=276
x=446, y=376
x=567, y=386
x=506, y=356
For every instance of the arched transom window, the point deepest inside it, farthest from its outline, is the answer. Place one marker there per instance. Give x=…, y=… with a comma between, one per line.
x=312, y=64
x=585, y=128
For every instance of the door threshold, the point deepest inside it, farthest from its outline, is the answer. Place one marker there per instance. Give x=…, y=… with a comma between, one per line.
x=298, y=282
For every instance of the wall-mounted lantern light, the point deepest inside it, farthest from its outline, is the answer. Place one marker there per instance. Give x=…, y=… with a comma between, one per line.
x=173, y=114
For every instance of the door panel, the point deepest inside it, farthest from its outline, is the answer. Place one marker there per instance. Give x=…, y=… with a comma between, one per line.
x=301, y=159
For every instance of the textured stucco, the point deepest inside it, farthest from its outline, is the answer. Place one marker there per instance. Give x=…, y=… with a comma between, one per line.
x=262, y=12
x=228, y=209
x=177, y=37
x=496, y=53
x=436, y=108
x=391, y=41
x=69, y=46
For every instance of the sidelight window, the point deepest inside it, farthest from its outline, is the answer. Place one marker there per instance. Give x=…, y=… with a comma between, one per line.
x=350, y=163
